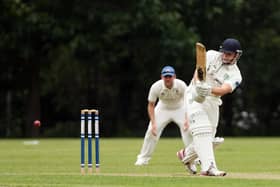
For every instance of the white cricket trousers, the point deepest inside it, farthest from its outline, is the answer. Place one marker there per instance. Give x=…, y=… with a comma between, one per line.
x=204, y=114
x=203, y=126
x=163, y=116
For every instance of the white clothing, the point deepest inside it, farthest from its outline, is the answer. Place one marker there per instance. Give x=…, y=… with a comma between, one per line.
x=218, y=73
x=204, y=116
x=170, y=108
x=168, y=98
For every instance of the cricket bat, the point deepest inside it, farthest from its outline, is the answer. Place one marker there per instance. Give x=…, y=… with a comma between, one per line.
x=201, y=61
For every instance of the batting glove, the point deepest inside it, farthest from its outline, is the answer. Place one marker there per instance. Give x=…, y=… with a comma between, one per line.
x=203, y=89
x=196, y=97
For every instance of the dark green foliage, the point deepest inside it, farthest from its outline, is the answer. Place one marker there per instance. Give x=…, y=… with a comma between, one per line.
x=57, y=57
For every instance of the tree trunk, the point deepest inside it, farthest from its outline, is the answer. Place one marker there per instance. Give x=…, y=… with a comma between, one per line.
x=8, y=113
x=33, y=102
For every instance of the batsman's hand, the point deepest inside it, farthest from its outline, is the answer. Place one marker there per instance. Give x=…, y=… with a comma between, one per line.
x=196, y=97
x=203, y=89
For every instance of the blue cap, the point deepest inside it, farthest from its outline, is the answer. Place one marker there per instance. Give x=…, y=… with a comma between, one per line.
x=168, y=70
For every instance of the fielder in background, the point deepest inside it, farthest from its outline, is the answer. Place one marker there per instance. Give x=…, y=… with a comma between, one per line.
x=170, y=94
x=222, y=77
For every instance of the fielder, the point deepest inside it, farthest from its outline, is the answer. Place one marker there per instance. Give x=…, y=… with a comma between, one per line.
x=222, y=77
x=170, y=93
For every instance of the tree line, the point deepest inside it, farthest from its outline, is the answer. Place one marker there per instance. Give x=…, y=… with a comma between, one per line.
x=58, y=57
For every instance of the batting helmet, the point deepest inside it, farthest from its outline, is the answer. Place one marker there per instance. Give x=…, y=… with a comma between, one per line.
x=231, y=45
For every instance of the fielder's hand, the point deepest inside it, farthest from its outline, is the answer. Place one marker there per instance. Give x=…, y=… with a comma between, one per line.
x=154, y=130
x=203, y=89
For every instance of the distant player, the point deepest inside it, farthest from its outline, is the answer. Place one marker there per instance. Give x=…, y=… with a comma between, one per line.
x=222, y=77
x=170, y=94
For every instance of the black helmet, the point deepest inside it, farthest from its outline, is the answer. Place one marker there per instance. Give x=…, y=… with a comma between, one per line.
x=231, y=45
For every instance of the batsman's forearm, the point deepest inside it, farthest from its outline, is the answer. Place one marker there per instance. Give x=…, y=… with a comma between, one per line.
x=223, y=90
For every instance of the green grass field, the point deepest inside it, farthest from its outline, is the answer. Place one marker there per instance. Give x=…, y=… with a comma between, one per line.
x=56, y=162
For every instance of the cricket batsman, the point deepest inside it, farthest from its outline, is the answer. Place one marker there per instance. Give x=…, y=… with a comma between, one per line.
x=222, y=77
x=169, y=93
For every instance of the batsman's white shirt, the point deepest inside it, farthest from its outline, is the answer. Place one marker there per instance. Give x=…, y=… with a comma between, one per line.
x=217, y=74
x=169, y=108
